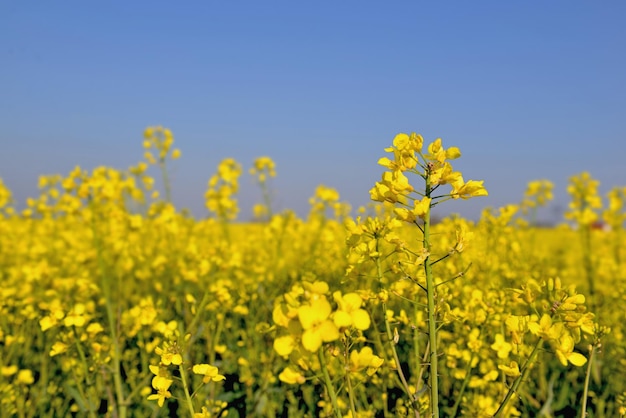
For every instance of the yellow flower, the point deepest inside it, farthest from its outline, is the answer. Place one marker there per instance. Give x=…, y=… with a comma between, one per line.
x=291, y=376
x=350, y=313
x=565, y=352
x=160, y=396
x=502, y=347
x=474, y=343
x=468, y=190
x=365, y=359
x=210, y=373
x=511, y=370
x=463, y=237
x=317, y=327
x=161, y=380
x=8, y=370
x=393, y=188
x=161, y=383
x=571, y=303
x=204, y=413
x=25, y=376
x=284, y=345
x=58, y=348
x=436, y=151
x=545, y=328
x=422, y=207
x=47, y=322
x=283, y=314
x=169, y=355
x=76, y=316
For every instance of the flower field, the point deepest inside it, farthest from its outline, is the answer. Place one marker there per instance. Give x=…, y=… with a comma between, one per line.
x=114, y=303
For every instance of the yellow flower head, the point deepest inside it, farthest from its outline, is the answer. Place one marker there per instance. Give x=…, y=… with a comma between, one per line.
x=210, y=373
x=317, y=327
x=291, y=376
x=350, y=313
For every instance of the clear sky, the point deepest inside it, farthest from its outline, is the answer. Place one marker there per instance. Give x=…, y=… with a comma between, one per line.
x=526, y=90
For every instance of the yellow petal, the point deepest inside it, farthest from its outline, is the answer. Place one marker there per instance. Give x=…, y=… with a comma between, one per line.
x=361, y=319
x=342, y=319
x=329, y=331
x=577, y=359
x=311, y=340
x=284, y=345
x=291, y=376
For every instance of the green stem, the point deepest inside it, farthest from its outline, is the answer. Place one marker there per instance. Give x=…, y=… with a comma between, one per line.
x=226, y=230
x=43, y=377
x=459, y=396
x=105, y=283
x=166, y=182
x=583, y=412
x=79, y=382
x=200, y=309
x=520, y=378
x=392, y=344
x=267, y=200
x=183, y=377
x=417, y=366
x=329, y=383
x=216, y=337
x=396, y=359
x=351, y=393
x=432, y=325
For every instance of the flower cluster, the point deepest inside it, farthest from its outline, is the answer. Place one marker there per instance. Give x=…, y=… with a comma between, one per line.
x=433, y=166
x=585, y=199
x=222, y=189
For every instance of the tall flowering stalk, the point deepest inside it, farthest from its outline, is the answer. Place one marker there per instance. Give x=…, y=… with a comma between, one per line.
x=538, y=193
x=615, y=216
x=221, y=195
x=414, y=206
x=263, y=169
x=161, y=140
x=583, y=211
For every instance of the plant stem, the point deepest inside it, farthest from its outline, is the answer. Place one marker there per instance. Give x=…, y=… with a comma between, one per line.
x=583, y=412
x=79, y=382
x=392, y=343
x=183, y=376
x=328, y=383
x=520, y=378
x=267, y=199
x=166, y=182
x=459, y=396
x=105, y=284
x=432, y=326
x=351, y=394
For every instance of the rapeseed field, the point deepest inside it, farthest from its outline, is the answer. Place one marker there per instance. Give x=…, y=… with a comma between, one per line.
x=115, y=303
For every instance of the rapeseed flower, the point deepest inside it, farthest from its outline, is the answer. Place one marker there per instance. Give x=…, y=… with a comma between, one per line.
x=209, y=373
x=317, y=326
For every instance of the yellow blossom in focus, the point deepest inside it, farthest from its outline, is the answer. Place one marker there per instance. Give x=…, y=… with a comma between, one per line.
x=209, y=372
x=169, y=354
x=317, y=327
x=365, y=359
x=350, y=313
x=565, y=352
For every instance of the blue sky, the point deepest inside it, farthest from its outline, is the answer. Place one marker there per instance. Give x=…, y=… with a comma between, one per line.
x=526, y=90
